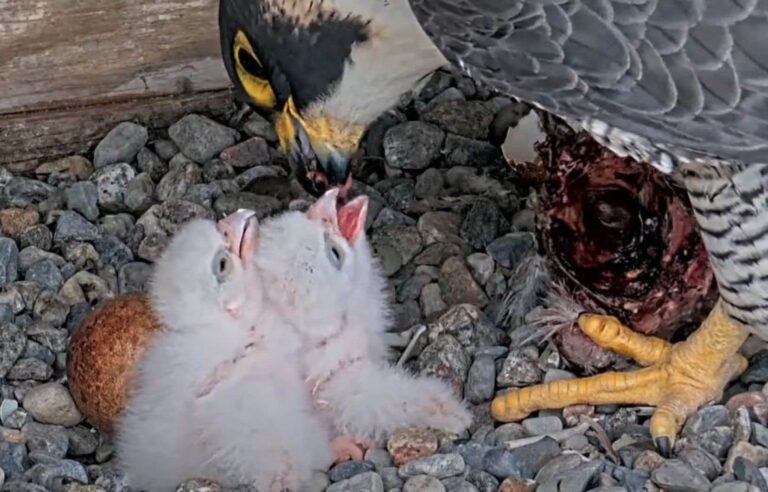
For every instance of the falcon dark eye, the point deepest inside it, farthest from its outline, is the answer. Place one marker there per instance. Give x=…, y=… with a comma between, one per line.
x=250, y=64
x=251, y=72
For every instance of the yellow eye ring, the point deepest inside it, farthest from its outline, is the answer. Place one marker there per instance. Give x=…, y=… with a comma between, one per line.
x=257, y=88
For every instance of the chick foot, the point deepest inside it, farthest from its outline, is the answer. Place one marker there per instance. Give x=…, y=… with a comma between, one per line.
x=347, y=448
x=677, y=379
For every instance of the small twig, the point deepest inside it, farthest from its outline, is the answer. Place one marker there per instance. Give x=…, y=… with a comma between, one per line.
x=411, y=345
x=602, y=436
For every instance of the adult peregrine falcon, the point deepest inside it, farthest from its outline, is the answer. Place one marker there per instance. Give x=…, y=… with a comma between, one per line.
x=680, y=84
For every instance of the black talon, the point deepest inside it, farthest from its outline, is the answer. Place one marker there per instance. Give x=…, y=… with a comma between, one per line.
x=664, y=445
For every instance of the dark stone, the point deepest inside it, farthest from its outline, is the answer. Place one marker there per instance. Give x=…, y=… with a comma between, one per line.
x=201, y=138
x=508, y=250
x=83, y=197
x=121, y=144
x=113, y=251
x=461, y=151
x=264, y=206
x=9, y=261
x=482, y=224
x=412, y=145
x=349, y=469
x=469, y=119
x=522, y=462
x=46, y=273
x=757, y=372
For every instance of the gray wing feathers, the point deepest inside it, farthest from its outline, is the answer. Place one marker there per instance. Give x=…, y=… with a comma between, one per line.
x=685, y=74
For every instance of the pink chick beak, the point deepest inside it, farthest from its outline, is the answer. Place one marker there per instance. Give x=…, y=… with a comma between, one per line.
x=240, y=230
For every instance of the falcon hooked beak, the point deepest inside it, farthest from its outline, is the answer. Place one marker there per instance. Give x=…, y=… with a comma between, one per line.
x=325, y=71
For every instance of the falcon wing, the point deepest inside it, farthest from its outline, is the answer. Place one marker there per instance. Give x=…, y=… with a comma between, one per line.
x=686, y=74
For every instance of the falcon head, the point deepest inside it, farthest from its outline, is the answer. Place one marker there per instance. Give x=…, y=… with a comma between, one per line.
x=326, y=69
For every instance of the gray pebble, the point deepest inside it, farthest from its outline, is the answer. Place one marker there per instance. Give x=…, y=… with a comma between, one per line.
x=482, y=224
x=677, y=476
x=27, y=368
x=436, y=465
x=31, y=255
x=364, y=482
x=51, y=474
x=134, y=277
x=71, y=226
x=51, y=403
x=462, y=486
x=53, y=338
x=83, y=197
x=431, y=300
x=317, y=482
x=257, y=126
x=508, y=250
x=429, y=184
x=23, y=192
x=217, y=169
x=45, y=272
x=165, y=149
x=113, y=251
x=518, y=370
x=118, y=225
x=82, y=441
x=348, y=469
x=462, y=151
x=483, y=481
x=412, y=145
x=249, y=153
x=469, y=119
x=51, y=440
x=6, y=314
x=473, y=453
x=458, y=286
x=111, y=183
x=121, y=144
x=39, y=236
x=13, y=460
x=481, y=379
x=261, y=204
x=391, y=478
x=423, y=483
x=139, y=194
x=380, y=459
x=536, y=426
x=50, y=308
x=521, y=462
x=201, y=138
x=9, y=261
x=734, y=487
x=445, y=358
x=150, y=163
x=183, y=174
x=482, y=267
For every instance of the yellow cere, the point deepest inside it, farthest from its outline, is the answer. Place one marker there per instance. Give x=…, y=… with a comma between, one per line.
x=258, y=89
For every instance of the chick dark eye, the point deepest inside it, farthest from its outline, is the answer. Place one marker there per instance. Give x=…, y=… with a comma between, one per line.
x=222, y=266
x=335, y=254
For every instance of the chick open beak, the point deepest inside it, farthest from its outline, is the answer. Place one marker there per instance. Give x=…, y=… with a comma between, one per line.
x=240, y=231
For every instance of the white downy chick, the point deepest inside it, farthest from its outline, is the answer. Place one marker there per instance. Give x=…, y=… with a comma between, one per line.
x=218, y=394
x=325, y=280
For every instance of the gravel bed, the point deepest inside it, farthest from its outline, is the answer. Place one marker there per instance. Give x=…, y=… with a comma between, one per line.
x=449, y=224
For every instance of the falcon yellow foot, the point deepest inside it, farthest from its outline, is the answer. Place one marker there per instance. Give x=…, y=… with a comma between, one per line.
x=676, y=378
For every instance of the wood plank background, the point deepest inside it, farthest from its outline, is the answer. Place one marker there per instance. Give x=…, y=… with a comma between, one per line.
x=71, y=69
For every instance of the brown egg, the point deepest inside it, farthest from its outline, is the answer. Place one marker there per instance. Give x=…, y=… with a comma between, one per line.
x=103, y=353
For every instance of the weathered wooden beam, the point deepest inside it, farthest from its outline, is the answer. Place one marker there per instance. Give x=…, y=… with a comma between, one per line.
x=71, y=69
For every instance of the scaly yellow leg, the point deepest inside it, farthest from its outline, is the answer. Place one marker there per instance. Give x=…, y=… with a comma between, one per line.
x=678, y=378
